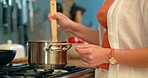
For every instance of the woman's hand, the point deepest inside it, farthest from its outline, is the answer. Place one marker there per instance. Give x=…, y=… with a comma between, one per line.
x=93, y=55
x=63, y=22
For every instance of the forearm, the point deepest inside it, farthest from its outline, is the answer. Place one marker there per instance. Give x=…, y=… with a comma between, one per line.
x=86, y=34
x=134, y=57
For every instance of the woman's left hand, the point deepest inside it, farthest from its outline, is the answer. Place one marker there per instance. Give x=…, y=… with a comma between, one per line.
x=93, y=55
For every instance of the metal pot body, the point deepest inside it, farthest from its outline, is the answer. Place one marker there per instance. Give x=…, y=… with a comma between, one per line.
x=47, y=55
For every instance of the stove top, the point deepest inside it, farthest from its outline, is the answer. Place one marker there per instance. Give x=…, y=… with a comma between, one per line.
x=26, y=71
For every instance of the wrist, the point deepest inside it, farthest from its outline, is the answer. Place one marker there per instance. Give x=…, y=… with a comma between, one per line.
x=105, y=64
x=108, y=52
x=112, y=59
x=109, y=59
x=72, y=26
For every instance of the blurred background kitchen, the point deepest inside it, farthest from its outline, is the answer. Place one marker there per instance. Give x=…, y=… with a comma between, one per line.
x=23, y=20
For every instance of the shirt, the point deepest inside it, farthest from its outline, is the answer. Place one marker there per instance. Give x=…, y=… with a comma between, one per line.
x=127, y=22
x=102, y=18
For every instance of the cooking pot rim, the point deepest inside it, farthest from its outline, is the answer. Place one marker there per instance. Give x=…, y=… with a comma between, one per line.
x=47, y=41
x=50, y=42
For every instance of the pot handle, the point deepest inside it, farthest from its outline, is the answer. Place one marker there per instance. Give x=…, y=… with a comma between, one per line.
x=67, y=47
x=60, y=48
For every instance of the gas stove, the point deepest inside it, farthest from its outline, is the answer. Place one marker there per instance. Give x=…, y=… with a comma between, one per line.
x=26, y=71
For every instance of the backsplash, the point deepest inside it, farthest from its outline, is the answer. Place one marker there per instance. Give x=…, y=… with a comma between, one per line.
x=12, y=24
x=21, y=26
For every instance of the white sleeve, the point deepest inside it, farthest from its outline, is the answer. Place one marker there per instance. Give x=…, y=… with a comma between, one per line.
x=101, y=34
x=144, y=12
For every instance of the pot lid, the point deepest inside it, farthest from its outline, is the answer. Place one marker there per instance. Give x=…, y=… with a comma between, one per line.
x=11, y=46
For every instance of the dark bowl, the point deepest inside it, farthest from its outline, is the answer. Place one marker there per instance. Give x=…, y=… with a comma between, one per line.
x=6, y=56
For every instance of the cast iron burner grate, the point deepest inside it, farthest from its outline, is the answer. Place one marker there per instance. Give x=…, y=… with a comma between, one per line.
x=26, y=71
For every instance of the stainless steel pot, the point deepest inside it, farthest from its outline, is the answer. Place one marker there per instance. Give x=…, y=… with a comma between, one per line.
x=47, y=54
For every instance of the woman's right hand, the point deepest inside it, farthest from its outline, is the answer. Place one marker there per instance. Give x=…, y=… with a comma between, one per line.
x=63, y=22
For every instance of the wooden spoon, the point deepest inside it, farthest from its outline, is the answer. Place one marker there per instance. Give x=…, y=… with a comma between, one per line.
x=53, y=10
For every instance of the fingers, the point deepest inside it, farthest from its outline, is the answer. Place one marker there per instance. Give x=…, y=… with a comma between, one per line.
x=58, y=26
x=88, y=63
x=88, y=54
x=52, y=16
x=49, y=16
x=85, y=63
x=84, y=49
x=85, y=53
x=85, y=46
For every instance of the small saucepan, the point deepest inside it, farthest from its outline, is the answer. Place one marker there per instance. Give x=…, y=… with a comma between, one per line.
x=47, y=54
x=6, y=56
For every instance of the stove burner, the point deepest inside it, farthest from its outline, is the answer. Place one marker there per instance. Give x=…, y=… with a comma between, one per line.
x=26, y=71
x=59, y=71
